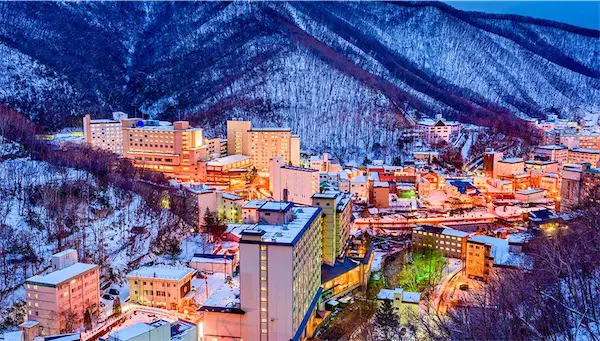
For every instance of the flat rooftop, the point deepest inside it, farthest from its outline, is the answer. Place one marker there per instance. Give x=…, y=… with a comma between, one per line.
x=161, y=272
x=279, y=129
x=60, y=276
x=512, y=160
x=225, y=299
x=227, y=160
x=585, y=150
x=289, y=233
x=552, y=147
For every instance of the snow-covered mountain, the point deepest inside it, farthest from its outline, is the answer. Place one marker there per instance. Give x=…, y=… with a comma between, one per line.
x=343, y=75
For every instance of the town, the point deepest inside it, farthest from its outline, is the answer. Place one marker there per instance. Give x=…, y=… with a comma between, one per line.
x=284, y=245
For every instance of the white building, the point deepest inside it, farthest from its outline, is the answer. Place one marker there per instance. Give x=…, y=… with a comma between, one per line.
x=359, y=188
x=157, y=330
x=280, y=279
x=510, y=166
x=104, y=133
x=292, y=184
x=438, y=129
x=554, y=152
x=582, y=155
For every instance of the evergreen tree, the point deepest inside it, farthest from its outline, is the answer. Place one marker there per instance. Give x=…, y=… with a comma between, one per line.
x=116, y=306
x=387, y=322
x=87, y=320
x=213, y=225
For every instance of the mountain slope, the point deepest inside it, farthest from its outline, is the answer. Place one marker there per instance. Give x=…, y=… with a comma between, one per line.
x=343, y=75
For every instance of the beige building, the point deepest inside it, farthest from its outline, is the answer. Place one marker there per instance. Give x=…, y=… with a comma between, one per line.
x=405, y=303
x=262, y=144
x=581, y=155
x=215, y=147
x=450, y=242
x=381, y=194
x=554, y=152
x=104, y=133
x=510, y=167
x=478, y=261
x=62, y=296
x=171, y=149
x=159, y=286
x=337, y=211
x=291, y=183
x=280, y=278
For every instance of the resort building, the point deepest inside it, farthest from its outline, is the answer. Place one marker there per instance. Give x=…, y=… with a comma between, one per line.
x=104, y=133
x=554, y=152
x=161, y=286
x=279, y=282
x=291, y=183
x=63, y=294
x=582, y=155
x=337, y=211
x=438, y=130
x=570, y=189
x=215, y=147
x=227, y=171
x=450, y=242
x=484, y=252
x=509, y=167
x=262, y=144
x=174, y=150
x=490, y=162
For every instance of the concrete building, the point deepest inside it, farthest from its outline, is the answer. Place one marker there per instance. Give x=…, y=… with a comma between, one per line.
x=478, y=260
x=280, y=274
x=570, y=191
x=359, y=188
x=438, y=130
x=484, y=252
x=554, y=152
x=586, y=140
x=174, y=150
x=237, y=137
x=337, y=211
x=227, y=206
x=104, y=133
x=590, y=181
x=450, y=242
x=158, y=330
x=63, y=294
x=405, y=303
x=530, y=195
x=509, y=167
x=291, y=183
x=381, y=194
x=325, y=164
x=582, y=155
x=161, y=286
x=228, y=171
x=262, y=144
x=215, y=147
x=490, y=162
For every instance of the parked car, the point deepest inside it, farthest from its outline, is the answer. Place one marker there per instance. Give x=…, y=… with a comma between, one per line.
x=464, y=287
x=108, y=297
x=113, y=291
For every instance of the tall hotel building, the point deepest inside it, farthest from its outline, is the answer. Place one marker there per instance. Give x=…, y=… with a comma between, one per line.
x=262, y=144
x=172, y=149
x=104, y=133
x=280, y=278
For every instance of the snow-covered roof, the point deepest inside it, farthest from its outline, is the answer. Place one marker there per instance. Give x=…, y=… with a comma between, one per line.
x=227, y=160
x=530, y=191
x=552, y=147
x=132, y=331
x=407, y=296
x=455, y=233
x=585, y=150
x=276, y=206
x=411, y=297
x=161, y=272
x=272, y=129
x=60, y=276
x=360, y=178
x=12, y=336
x=512, y=160
x=230, y=196
x=500, y=251
x=226, y=296
x=286, y=233
x=29, y=324
x=254, y=204
x=381, y=184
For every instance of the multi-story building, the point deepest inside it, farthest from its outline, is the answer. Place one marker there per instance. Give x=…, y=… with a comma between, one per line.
x=174, y=150
x=586, y=140
x=263, y=144
x=227, y=171
x=280, y=274
x=337, y=211
x=324, y=164
x=237, y=137
x=291, y=183
x=227, y=206
x=438, y=129
x=570, y=190
x=104, y=133
x=582, y=155
x=215, y=147
x=61, y=297
x=381, y=194
x=553, y=152
x=250, y=211
x=164, y=287
x=590, y=181
x=478, y=260
x=450, y=242
x=509, y=167
x=405, y=303
x=359, y=188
